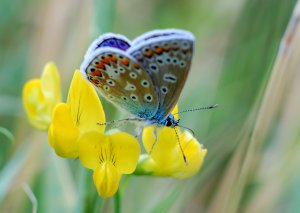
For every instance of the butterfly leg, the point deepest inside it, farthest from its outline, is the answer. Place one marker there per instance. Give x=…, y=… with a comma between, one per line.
x=155, y=133
x=118, y=123
x=138, y=131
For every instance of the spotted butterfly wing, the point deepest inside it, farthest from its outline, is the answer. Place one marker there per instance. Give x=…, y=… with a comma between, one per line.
x=119, y=77
x=166, y=56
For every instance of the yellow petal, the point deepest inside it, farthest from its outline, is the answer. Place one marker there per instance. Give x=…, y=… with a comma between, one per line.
x=50, y=84
x=167, y=154
x=40, y=97
x=165, y=150
x=85, y=106
x=195, y=155
x=106, y=179
x=92, y=149
x=175, y=112
x=38, y=112
x=120, y=148
x=127, y=152
x=63, y=133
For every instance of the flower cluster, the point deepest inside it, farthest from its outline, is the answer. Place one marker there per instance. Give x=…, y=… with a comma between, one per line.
x=74, y=132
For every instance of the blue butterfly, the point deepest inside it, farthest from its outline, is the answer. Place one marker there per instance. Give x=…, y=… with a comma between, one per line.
x=145, y=76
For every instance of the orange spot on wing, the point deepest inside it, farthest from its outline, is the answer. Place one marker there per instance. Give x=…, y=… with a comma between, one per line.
x=101, y=66
x=95, y=81
x=96, y=73
x=166, y=49
x=148, y=54
x=125, y=62
x=114, y=59
x=105, y=61
x=175, y=48
x=136, y=66
x=158, y=50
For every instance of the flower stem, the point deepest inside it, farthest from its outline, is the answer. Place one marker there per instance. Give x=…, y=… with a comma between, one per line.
x=117, y=201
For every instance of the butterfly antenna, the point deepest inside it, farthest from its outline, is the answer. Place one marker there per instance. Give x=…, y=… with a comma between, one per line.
x=197, y=109
x=193, y=133
x=183, y=155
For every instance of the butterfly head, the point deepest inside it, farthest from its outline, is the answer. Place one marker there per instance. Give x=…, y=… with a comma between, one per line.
x=169, y=121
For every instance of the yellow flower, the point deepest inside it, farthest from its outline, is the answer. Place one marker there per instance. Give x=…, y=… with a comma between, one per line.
x=109, y=156
x=166, y=157
x=41, y=95
x=70, y=120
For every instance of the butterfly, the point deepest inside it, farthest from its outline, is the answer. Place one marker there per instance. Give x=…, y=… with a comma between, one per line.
x=146, y=76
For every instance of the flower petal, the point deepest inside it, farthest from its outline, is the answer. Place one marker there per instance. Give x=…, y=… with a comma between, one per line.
x=40, y=97
x=86, y=109
x=50, y=84
x=91, y=147
x=195, y=155
x=106, y=179
x=175, y=112
x=63, y=133
x=119, y=148
x=127, y=152
x=165, y=151
x=167, y=154
x=38, y=113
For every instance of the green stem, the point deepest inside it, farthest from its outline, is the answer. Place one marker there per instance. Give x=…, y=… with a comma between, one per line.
x=117, y=202
x=82, y=193
x=124, y=184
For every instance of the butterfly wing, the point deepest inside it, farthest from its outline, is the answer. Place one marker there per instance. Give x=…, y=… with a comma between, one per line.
x=166, y=55
x=121, y=80
x=109, y=40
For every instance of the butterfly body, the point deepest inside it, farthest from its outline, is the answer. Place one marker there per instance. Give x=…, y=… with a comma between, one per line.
x=145, y=76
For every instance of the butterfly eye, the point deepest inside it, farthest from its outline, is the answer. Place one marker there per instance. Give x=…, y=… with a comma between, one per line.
x=175, y=61
x=133, y=75
x=169, y=123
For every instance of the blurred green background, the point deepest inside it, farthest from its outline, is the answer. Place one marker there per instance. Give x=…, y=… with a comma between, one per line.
x=245, y=60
